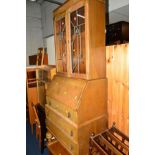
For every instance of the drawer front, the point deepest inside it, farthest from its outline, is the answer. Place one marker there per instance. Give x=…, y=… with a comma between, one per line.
x=67, y=126
x=63, y=109
x=69, y=144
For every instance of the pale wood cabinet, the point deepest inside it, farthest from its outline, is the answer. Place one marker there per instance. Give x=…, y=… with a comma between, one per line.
x=80, y=39
x=76, y=97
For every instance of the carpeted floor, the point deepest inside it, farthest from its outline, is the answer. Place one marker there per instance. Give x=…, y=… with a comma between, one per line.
x=32, y=144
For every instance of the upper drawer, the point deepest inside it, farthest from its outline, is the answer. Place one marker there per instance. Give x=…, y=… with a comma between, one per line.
x=65, y=124
x=66, y=90
x=63, y=109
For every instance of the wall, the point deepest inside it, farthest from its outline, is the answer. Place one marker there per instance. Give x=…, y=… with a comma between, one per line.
x=116, y=4
x=34, y=38
x=120, y=14
x=51, y=50
x=48, y=30
x=47, y=17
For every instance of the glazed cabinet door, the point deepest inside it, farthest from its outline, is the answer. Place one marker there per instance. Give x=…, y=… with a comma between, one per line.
x=77, y=39
x=60, y=44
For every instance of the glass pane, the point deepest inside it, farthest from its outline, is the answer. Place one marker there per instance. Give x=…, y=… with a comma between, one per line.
x=78, y=41
x=61, y=45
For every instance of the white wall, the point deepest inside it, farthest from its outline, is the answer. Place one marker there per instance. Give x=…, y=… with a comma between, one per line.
x=51, y=50
x=115, y=4
x=34, y=37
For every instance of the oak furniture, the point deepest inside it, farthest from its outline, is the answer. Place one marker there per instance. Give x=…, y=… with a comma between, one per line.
x=76, y=97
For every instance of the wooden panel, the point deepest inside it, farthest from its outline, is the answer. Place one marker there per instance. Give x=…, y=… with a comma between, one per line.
x=32, y=99
x=66, y=90
x=93, y=101
x=96, y=29
x=41, y=93
x=117, y=73
x=85, y=131
x=32, y=59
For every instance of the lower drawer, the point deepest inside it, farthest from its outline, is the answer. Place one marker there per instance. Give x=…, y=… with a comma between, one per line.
x=57, y=149
x=63, y=123
x=68, y=143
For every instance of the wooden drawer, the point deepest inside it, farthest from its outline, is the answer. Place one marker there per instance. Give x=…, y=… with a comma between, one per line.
x=61, y=136
x=57, y=149
x=64, y=124
x=63, y=109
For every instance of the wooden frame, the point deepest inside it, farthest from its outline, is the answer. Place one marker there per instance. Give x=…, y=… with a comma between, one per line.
x=36, y=92
x=112, y=141
x=56, y=19
x=94, y=44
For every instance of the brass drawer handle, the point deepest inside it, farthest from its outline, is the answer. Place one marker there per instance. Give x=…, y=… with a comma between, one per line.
x=49, y=103
x=68, y=114
x=71, y=133
x=71, y=147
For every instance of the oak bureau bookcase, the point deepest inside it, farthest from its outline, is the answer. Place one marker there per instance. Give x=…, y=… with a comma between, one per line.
x=76, y=97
